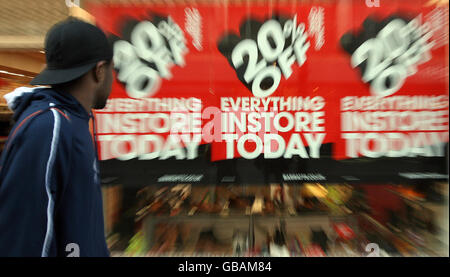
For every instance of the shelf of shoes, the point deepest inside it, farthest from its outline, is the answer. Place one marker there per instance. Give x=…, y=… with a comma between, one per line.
x=233, y=220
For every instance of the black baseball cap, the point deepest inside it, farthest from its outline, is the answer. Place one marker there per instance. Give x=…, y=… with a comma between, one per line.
x=72, y=48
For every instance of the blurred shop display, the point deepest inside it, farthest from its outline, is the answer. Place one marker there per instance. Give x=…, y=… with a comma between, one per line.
x=182, y=220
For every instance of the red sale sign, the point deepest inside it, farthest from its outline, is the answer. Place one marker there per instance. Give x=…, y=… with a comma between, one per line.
x=282, y=82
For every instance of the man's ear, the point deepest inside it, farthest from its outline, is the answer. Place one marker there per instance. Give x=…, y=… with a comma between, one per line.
x=100, y=71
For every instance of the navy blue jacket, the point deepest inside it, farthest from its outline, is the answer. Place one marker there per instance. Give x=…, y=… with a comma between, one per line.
x=50, y=195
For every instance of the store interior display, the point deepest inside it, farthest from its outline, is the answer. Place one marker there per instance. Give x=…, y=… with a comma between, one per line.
x=336, y=220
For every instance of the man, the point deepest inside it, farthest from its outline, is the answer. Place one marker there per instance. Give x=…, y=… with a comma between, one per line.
x=50, y=195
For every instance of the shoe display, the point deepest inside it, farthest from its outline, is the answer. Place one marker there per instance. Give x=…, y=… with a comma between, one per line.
x=258, y=205
x=314, y=250
x=319, y=238
x=240, y=243
x=278, y=247
x=308, y=220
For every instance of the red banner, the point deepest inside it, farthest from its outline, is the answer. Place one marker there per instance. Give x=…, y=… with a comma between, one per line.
x=278, y=80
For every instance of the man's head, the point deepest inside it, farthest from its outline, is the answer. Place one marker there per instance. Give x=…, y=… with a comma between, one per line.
x=79, y=60
x=95, y=84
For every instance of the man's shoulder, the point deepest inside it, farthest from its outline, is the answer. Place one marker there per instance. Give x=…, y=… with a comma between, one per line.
x=44, y=123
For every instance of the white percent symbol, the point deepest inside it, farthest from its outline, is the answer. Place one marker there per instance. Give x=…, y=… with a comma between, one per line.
x=291, y=29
